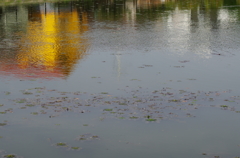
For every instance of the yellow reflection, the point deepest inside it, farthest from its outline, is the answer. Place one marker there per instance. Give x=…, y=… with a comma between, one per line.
x=54, y=44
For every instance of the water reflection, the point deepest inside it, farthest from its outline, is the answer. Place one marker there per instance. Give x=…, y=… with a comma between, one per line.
x=52, y=44
x=49, y=37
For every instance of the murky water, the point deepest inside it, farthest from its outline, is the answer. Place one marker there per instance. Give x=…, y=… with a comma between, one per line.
x=132, y=78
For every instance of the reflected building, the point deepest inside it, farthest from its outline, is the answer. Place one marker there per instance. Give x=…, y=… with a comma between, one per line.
x=52, y=43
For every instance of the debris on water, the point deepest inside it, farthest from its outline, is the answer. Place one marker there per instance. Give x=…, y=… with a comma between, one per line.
x=34, y=113
x=61, y=144
x=178, y=66
x=107, y=109
x=10, y=156
x=76, y=148
x=3, y=124
x=27, y=93
x=225, y=107
x=7, y=93
x=87, y=137
x=21, y=101
x=160, y=103
x=29, y=105
x=133, y=117
x=184, y=61
x=216, y=54
x=150, y=119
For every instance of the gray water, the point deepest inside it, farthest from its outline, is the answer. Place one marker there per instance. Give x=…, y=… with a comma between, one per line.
x=119, y=78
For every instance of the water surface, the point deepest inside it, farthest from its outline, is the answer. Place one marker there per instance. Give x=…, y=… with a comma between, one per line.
x=119, y=78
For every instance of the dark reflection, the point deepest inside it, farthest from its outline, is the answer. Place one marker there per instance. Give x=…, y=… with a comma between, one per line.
x=34, y=12
x=1, y=12
x=230, y=2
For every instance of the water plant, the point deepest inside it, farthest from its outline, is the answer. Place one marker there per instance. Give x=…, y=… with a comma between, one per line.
x=27, y=93
x=224, y=106
x=75, y=148
x=21, y=101
x=61, y=144
x=10, y=156
x=29, y=105
x=34, y=113
x=107, y=109
x=174, y=100
x=150, y=119
x=3, y=124
x=133, y=117
x=7, y=93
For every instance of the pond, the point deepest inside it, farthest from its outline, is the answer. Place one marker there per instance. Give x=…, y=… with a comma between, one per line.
x=120, y=78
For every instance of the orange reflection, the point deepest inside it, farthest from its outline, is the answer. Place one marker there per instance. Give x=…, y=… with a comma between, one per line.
x=52, y=45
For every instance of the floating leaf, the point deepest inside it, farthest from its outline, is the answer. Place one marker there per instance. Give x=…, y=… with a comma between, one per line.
x=3, y=124
x=61, y=144
x=133, y=117
x=150, y=119
x=21, y=101
x=75, y=148
x=107, y=109
x=30, y=105
x=122, y=104
x=224, y=106
x=173, y=100
x=10, y=156
x=7, y=93
x=27, y=93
